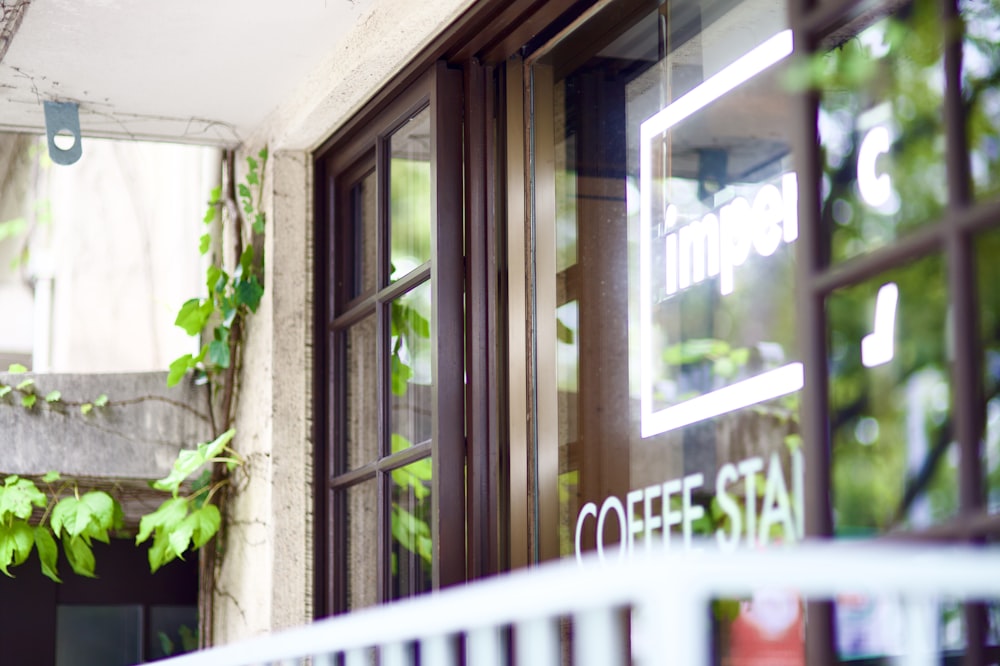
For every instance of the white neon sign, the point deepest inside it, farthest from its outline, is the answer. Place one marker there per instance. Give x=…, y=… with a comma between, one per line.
x=774, y=383
x=878, y=347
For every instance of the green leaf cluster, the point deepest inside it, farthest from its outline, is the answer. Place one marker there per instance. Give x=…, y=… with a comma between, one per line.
x=232, y=294
x=77, y=521
x=175, y=526
x=29, y=393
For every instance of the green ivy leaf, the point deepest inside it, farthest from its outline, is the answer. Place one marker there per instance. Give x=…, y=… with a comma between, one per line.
x=252, y=163
x=169, y=514
x=218, y=353
x=245, y=191
x=246, y=259
x=263, y=154
x=252, y=178
x=16, y=541
x=101, y=401
x=16, y=369
x=180, y=537
x=258, y=223
x=26, y=384
x=51, y=477
x=85, y=408
x=102, y=508
x=80, y=556
x=205, y=243
x=48, y=552
x=216, y=279
x=210, y=213
x=249, y=293
x=4, y=390
x=162, y=524
x=178, y=369
x=29, y=400
x=53, y=396
x=215, y=195
x=18, y=497
x=193, y=315
x=400, y=375
x=206, y=522
x=190, y=460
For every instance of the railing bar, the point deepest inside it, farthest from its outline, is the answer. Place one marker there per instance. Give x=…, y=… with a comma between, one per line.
x=437, y=651
x=359, y=657
x=597, y=637
x=484, y=647
x=537, y=642
x=920, y=632
x=326, y=659
x=395, y=654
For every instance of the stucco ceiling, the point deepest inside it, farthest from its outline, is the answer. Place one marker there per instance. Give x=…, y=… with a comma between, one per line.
x=184, y=70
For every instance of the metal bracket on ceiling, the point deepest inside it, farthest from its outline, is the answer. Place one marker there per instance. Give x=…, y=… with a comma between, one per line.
x=62, y=119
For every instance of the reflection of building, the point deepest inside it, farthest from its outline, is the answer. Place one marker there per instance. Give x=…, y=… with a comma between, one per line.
x=522, y=250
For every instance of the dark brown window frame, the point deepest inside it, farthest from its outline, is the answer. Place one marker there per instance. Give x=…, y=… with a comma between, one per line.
x=952, y=237
x=337, y=169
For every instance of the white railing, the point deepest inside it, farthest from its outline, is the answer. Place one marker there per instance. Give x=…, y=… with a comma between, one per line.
x=532, y=613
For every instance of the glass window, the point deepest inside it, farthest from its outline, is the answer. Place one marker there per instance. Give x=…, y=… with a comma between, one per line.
x=98, y=635
x=667, y=293
x=396, y=424
x=981, y=93
x=894, y=463
x=881, y=130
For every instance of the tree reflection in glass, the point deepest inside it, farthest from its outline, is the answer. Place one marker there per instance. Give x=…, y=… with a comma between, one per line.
x=881, y=130
x=410, y=384
x=893, y=458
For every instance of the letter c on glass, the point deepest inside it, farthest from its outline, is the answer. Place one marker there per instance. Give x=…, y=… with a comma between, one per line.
x=588, y=509
x=875, y=189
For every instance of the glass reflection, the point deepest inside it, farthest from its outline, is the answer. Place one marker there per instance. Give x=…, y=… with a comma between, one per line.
x=363, y=229
x=988, y=272
x=98, y=635
x=410, y=195
x=361, y=424
x=410, y=368
x=894, y=464
x=412, y=545
x=881, y=130
x=981, y=91
x=362, y=544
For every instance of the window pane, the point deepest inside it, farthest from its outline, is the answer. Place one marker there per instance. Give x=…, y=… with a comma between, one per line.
x=98, y=635
x=363, y=231
x=981, y=92
x=174, y=630
x=362, y=393
x=881, y=130
x=894, y=464
x=361, y=514
x=988, y=268
x=411, y=529
x=410, y=194
x=410, y=368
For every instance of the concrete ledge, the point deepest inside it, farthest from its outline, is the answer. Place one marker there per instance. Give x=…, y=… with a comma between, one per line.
x=136, y=436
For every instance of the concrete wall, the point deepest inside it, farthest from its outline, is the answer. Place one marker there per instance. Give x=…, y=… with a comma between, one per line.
x=119, y=447
x=265, y=581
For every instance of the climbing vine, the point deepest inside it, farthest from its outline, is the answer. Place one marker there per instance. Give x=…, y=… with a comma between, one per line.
x=39, y=514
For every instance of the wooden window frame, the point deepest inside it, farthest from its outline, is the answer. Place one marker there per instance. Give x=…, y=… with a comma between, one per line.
x=337, y=168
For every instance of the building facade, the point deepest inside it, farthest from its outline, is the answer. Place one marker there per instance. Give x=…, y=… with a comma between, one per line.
x=606, y=276
x=546, y=278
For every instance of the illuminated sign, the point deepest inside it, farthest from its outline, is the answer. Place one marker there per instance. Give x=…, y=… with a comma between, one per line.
x=719, y=242
x=648, y=515
x=713, y=245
